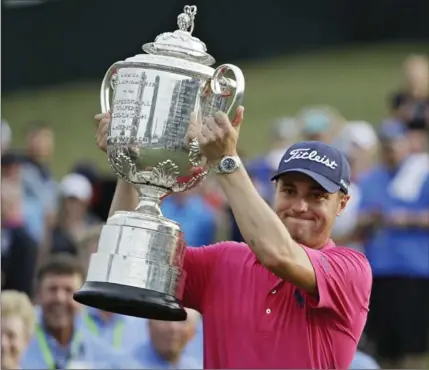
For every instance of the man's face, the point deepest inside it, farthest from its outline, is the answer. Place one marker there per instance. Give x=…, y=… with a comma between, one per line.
x=169, y=338
x=14, y=340
x=56, y=299
x=306, y=209
x=74, y=207
x=41, y=144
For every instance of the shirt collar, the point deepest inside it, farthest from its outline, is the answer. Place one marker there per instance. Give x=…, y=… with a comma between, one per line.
x=53, y=343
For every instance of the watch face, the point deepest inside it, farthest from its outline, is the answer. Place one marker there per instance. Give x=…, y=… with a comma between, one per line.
x=228, y=164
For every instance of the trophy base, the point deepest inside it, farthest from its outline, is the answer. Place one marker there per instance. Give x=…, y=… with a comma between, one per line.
x=130, y=301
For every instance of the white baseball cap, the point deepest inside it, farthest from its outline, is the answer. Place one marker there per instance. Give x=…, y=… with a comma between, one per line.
x=77, y=186
x=358, y=133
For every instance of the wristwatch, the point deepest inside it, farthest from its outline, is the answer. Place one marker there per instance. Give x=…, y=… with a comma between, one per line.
x=228, y=164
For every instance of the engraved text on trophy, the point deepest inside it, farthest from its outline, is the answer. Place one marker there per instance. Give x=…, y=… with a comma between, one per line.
x=183, y=102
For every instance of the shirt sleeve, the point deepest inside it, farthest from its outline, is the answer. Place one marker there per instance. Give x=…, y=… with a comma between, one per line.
x=344, y=280
x=199, y=264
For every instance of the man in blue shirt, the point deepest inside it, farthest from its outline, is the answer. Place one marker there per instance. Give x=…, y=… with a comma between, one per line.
x=166, y=344
x=394, y=223
x=60, y=340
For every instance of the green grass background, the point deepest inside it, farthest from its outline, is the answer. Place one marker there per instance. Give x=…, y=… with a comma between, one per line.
x=354, y=80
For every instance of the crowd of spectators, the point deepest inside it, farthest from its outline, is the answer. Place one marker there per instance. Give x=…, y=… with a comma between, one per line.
x=50, y=228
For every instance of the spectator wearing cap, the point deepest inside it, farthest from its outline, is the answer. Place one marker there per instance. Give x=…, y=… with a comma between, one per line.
x=74, y=217
x=358, y=141
x=393, y=221
x=319, y=123
x=91, y=172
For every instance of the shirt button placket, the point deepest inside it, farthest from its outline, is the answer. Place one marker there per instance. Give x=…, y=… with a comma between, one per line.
x=266, y=323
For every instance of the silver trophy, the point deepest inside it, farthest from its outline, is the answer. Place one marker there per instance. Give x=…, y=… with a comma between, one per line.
x=137, y=270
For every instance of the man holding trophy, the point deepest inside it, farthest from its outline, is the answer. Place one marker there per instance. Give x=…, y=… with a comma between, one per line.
x=288, y=298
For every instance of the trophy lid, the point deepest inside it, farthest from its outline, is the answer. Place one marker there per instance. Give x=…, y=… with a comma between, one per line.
x=181, y=43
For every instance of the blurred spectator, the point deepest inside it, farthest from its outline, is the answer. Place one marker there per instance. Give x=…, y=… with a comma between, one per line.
x=358, y=141
x=166, y=344
x=90, y=171
x=18, y=248
x=39, y=186
x=411, y=104
x=320, y=123
x=12, y=178
x=6, y=136
x=87, y=169
x=60, y=340
x=393, y=221
x=17, y=326
x=413, y=97
x=196, y=218
x=74, y=217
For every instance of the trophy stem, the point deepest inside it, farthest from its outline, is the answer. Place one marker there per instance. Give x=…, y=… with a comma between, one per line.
x=150, y=199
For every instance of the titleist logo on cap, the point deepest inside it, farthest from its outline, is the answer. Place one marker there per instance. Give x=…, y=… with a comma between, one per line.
x=311, y=156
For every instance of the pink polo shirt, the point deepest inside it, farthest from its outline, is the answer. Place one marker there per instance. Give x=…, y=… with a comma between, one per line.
x=253, y=319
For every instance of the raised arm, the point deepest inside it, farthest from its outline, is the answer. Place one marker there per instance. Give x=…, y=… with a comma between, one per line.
x=265, y=234
x=260, y=227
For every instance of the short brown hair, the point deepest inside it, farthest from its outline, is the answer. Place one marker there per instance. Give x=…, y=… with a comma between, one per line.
x=61, y=264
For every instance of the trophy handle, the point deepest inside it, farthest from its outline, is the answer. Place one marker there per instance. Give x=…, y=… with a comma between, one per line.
x=221, y=85
x=107, y=84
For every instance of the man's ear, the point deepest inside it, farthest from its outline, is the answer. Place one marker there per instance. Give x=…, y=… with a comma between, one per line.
x=344, y=198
